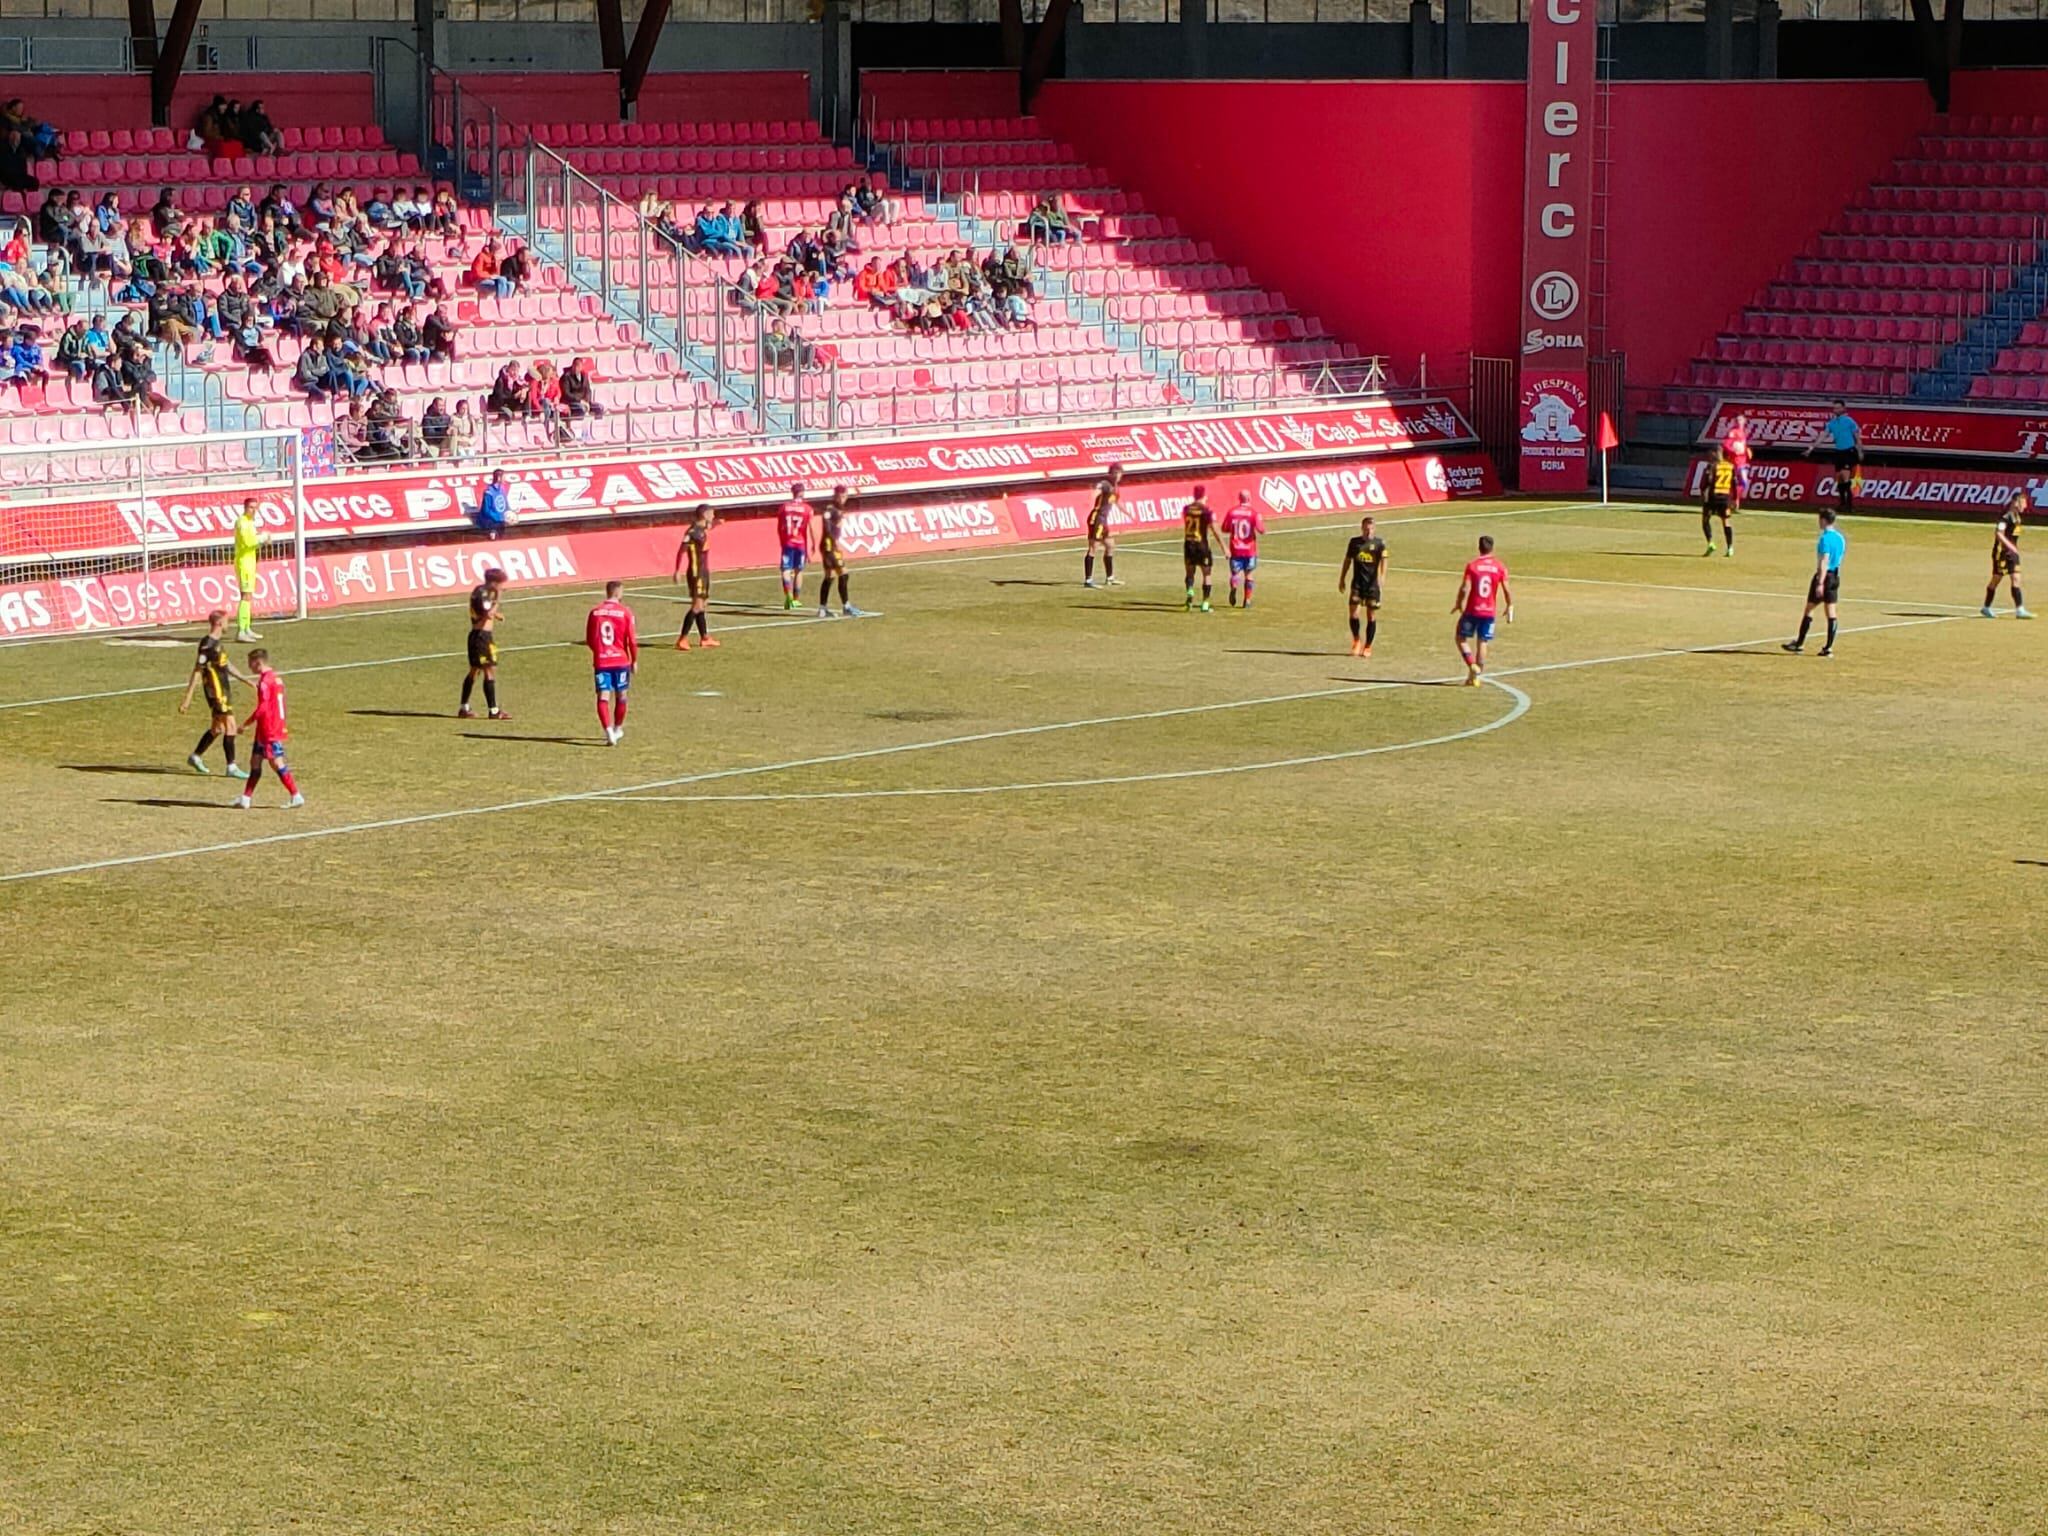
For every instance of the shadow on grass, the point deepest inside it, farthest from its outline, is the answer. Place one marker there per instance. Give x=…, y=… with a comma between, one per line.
x=405, y=714
x=164, y=803
x=1647, y=554
x=1255, y=650
x=1133, y=607
x=1026, y=581
x=156, y=768
x=545, y=741
x=2033, y=863
x=1399, y=682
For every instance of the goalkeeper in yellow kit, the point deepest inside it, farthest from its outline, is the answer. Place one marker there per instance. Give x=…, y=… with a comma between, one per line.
x=248, y=539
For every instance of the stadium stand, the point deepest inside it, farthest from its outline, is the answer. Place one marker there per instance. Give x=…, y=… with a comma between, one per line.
x=1927, y=281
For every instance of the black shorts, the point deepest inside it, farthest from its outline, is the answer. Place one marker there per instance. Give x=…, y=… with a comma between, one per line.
x=2003, y=564
x=1366, y=590
x=700, y=584
x=483, y=648
x=1196, y=555
x=1717, y=505
x=832, y=561
x=216, y=698
x=1847, y=460
x=1098, y=532
x=1825, y=589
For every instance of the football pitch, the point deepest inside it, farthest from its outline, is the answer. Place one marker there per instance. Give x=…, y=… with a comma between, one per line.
x=1041, y=1061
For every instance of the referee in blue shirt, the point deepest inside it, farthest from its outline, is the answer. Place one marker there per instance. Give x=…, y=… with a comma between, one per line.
x=1843, y=435
x=1826, y=590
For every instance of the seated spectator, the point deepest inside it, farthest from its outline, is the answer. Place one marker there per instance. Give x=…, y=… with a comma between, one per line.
x=352, y=433
x=484, y=274
x=40, y=137
x=313, y=373
x=138, y=378
x=508, y=396
x=843, y=223
x=257, y=132
x=544, y=400
x=74, y=353
x=50, y=226
x=1047, y=222
x=406, y=340
x=166, y=218
x=389, y=434
x=319, y=210
x=172, y=317
x=277, y=202
x=445, y=217
x=214, y=131
x=578, y=399
x=412, y=209
x=868, y=285
x=753, y=231
x=783, y=348
x=16, y=155
x=871, y=201
x=111, y=388
x=242, y=206
x=438, y=333
x=434, y=425
x=713, y=236
x=668, y=229
x=25, y=358
x=248, y=346
x=462, y=431
x=517, y=267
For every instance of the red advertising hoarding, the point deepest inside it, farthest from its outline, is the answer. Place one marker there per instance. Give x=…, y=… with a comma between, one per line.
x=1935, y=431
x=1804, y=482
x=1556, y=417
x=358, y=505
x=398, y=572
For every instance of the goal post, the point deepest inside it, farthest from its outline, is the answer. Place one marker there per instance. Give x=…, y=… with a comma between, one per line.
x=128, y=532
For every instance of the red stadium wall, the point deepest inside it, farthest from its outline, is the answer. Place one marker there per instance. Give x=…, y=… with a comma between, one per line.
x=1715, y=185
x=1389, y=209
x=906, y=93
x=756, y=95
x=122, y=101
x=2000, y=92
x=1392, y=209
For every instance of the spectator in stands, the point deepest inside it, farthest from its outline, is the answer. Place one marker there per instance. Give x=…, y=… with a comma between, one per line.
x=258, y=133
x=411, y=209
x=171, y=317
x=753, y=231
x=434, y=425
x=110, y=385
x=517, y=267
x=784, y=349
x=716, y=234
x=166, y=218
x=578, y=397
x=352, y=433
x=249, y=348
x=42, y=140
x=214, y=131
x=16, y=174
x=868, y=285
x=18, y=286
x=241, y=206
x=872, y=202
x=484, y=274
x=379, y=212
x=667, y=227
x=544, y=400
x=25, y=358
x=438, y=332
x=842, y=226
x=406, y=339
x=462, y=431
x=362, y=342
x=1046, y=224
x=138, y=378
x=1020, y=269
x=50, y=226
x=445, y=217
x=73, y=354
x=508, y=396
x=391, y=434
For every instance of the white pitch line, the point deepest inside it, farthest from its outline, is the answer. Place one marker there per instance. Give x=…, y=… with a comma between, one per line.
x=1521, y=707
x=616, y=791
x=380, y=661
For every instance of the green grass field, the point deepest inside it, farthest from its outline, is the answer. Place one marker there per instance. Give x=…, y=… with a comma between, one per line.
x=1615, y=1100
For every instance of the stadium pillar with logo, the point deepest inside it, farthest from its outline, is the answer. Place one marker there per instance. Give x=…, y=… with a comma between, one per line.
x=1556, y=427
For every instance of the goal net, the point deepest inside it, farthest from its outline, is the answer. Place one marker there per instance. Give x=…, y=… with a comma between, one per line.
x=124, y=532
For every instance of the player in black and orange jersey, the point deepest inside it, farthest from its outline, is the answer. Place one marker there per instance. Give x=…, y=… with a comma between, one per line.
x=2005, y=558
x=1718, y=500
x=215, y=674
x=1197, y=525
x=484, y=600
x=693, y=566
x=1102, y=529
x=1365, y=563
x=832, y=555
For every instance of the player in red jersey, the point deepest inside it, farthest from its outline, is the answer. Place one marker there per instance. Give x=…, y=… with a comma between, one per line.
x=266, y=731
x=614, y=651
x=1482, y=596
x=793, y=522
x=1242, y=525
x=1735, y=444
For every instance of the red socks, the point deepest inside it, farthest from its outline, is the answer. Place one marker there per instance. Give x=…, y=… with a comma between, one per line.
x=619, y=710
x=604, y=713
